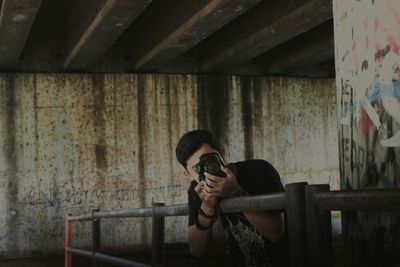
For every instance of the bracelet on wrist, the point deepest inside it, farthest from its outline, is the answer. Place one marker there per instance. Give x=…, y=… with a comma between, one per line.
x=201, y=227
x=203, y=214
x=212, y=219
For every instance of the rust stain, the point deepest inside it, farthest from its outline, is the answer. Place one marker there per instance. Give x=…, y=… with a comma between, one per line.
x=248, y=102
x=12, y=215
x=99, y=121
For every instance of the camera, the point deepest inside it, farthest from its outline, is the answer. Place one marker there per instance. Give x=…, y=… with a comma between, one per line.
x=210, y=163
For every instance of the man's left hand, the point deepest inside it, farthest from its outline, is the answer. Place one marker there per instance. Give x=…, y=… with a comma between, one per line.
x=222, y=186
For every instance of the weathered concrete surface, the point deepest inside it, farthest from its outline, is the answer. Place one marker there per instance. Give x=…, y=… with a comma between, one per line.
x=367, y=68
x=289, y=122
x=70, y=143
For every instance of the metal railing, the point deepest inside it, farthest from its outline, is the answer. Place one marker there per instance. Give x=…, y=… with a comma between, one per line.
x=308, y=218
x=320, y=202
x=158, y=212
x=292, y=201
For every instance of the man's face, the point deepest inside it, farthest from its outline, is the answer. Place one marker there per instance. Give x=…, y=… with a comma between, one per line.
x=194, y=159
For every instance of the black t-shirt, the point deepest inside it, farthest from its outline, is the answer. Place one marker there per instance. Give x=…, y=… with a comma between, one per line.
x=245, y=244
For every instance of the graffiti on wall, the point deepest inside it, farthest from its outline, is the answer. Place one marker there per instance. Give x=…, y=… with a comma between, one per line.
x=368, y=77
x=367, y=44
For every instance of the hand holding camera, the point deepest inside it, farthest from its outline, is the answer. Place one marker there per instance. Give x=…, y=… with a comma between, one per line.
x=209, y=163
x=216, y=178
x=209, y=202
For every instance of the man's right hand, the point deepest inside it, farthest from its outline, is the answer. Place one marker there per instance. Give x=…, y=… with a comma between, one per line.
x=209, y=202
x=199, y=239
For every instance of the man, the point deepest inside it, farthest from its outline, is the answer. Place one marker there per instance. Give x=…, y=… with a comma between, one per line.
x=255, y=238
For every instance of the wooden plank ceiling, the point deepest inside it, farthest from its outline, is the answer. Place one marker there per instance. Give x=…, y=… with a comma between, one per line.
x=260, y=37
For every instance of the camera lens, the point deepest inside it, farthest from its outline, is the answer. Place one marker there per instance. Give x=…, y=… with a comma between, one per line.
x=213, y=167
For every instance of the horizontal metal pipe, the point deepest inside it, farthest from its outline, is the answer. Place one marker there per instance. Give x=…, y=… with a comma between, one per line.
x=107, y=258
x=83, y=217
x=172, y=210
x=274, y=201
x=81, y=252
x=363, y=200
x=140, y=212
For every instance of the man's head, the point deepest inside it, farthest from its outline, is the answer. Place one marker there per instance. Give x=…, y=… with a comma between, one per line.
x=191, y=146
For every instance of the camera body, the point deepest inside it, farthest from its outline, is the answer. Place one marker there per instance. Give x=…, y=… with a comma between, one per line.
x=211, y=163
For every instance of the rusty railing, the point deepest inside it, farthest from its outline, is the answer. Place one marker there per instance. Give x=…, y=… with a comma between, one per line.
x=320, y=202
x=292, y=201
x=308, y=218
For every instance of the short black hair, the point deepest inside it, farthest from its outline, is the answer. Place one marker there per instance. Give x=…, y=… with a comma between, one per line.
x=190, y=142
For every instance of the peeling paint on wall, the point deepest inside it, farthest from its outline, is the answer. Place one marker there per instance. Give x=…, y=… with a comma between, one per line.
x=71, y=143
x=368, y=85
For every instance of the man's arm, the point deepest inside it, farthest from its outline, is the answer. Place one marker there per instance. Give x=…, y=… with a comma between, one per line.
x=199, y=240
x=269, y=225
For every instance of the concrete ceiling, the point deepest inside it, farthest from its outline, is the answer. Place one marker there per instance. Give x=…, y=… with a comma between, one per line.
x=270, y=37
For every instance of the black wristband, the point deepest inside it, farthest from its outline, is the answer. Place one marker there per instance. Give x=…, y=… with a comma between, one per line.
x=201, y=227
x=202, y=213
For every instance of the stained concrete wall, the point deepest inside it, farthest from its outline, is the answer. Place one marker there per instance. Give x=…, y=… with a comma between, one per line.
x=71, y=143
x=367, y=45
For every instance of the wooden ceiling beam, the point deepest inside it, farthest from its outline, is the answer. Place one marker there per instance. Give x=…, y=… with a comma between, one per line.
x=174, y=26
x=308, y=49
x=94, y=27
x=266, y=26
x=16, y=19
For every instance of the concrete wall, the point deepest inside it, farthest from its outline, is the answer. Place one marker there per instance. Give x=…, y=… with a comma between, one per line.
x=71, y=143
x=367, y=68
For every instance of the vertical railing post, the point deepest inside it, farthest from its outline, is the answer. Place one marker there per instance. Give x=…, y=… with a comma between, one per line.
x=158, y=254
x=68, y=242
x=296, y=223
x=96, y=238
x=319, y=229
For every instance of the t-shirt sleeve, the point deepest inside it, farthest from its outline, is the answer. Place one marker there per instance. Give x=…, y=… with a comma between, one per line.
x=194, y=203
x=265, y=179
